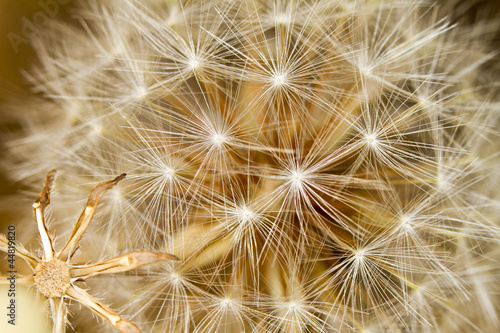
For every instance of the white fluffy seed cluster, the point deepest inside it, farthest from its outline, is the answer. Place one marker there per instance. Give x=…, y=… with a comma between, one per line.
x=318, y=166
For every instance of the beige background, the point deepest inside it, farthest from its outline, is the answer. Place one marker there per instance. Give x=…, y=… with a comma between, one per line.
x=31, y=310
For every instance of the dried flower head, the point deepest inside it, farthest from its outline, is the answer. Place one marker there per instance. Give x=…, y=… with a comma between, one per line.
x=57, y=277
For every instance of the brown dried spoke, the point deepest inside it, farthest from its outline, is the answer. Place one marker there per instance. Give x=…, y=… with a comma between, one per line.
x=26, y=280
x=38, y=213
x=59, y=312
x=120, y=264
x=20, y=251
x=86, y=217
x=44, y=198
x=102, y=310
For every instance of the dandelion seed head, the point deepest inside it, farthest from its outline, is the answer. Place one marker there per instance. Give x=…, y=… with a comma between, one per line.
x=282, y=18
x=219, y=139
x=169, y=172
x=175, y=277
x=443, y=181
x=245, y=214
x=194, y=63
x=116, y=195
x=96, y=129
x=359, y=254
x=371, y=140
x=405, y=221
x=365, y=71
x=424, y=101
x=141, y=92
x=279, y=80
x=226, y=302
x=317, y=158
x=297, y=178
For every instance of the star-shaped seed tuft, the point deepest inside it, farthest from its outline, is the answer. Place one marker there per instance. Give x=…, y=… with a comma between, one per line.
x=55, y=276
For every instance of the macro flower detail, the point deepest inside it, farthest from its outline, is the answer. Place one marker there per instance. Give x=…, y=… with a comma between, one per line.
x=322, y=166
x=56, y=276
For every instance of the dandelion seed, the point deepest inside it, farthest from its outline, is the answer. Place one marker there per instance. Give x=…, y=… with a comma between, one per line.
x=226, y=302
x=297, y=177
x=282, y=19
x=245, y=214
x=372, y=140
x=279, y=80
x=359, y=254
x=97, y=129
x=219, y=139
x=116, y=195
x=176, y=278
x=141, y=92
x=194, y=64
x=406, y=223
x=169, y=172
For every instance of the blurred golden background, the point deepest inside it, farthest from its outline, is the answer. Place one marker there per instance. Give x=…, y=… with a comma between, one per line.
x=16, y=53
x=15, y=19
